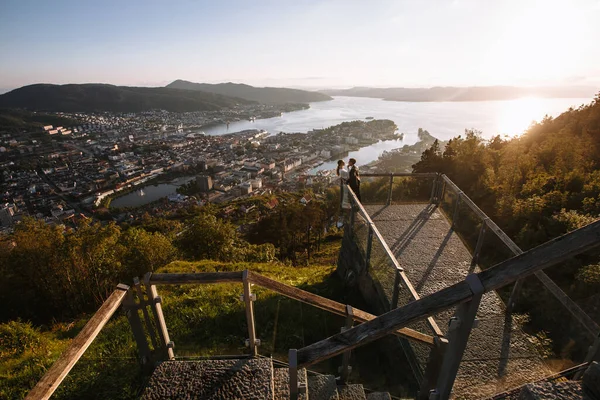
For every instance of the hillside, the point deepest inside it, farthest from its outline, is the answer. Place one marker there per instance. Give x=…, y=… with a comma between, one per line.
x=100, y=97
x=482, y=93
x=203, y=320
x=267, y=95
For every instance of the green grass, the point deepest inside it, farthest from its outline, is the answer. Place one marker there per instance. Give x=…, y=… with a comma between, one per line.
x=203, y=320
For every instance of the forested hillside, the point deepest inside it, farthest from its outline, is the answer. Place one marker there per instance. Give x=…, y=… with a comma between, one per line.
x=266, y=95
x=537, y=187
x=93, y=97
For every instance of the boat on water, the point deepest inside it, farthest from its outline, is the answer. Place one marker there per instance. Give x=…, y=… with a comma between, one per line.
x=141, y=192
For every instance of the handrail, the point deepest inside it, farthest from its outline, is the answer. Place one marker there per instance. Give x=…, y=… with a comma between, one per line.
x=590, y=325
x=198, y=277
x=399, y=270
x=330, y=305
x=502, y=274
x=61, y=367
x=404, y=174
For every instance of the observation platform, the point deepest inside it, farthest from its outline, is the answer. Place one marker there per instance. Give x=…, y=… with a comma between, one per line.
x=498, y=355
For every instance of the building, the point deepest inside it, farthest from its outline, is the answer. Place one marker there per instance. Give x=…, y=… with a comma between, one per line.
x=6, y=214
x=256, y=183
x=245, y=188
x=205, y=183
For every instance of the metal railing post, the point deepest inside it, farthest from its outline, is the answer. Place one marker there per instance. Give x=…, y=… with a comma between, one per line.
x=479, y=244
x=341, y=195
x=389, y=199
x=458, y=335
x=155, y=304
x=442, y=191
x=249, y=299
x=293, y=366
x=456, y=209
x=432, y=369
x=369, y=247
x=345, y=369
x=433, y=189
x=514, y=295
x=352, y=214
x=131, y=312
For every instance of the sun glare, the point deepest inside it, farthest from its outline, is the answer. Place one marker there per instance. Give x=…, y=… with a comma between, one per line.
x=516, y=116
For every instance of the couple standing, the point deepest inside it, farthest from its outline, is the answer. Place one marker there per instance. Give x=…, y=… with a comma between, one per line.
x=348, y=177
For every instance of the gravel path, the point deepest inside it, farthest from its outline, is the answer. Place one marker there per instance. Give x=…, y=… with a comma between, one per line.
x=499, y=355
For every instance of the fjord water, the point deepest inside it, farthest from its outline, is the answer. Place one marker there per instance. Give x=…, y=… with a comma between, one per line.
x=443, y=120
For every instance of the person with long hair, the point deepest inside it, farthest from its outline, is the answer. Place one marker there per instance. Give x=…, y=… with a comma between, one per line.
x=342, y=172
x=354, y=178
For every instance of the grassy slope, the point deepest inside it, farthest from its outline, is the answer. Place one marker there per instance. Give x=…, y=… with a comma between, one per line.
x=202, y=320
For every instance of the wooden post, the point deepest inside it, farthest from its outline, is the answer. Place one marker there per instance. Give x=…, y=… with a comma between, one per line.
x=345, y=368
x=459, y=330
x=369, y=247
x=147, y=320
x=155, y=303
x=479, y=244
x=396, y=292
x=293, y=365
x=389, y=199
x=432, y=369
x=249, y=301
x=131, y=311
x=456, y=208
x=593, y=354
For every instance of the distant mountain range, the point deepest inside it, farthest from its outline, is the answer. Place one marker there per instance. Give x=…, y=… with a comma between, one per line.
x=100, y=97
x=265, y=95
x=475, y=93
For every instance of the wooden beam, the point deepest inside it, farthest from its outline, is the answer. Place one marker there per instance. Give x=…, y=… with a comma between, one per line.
x=59, y=370
x=330, y=305
x=405, y=174
x=200, y=277
x=509, y=271
x=384, y=324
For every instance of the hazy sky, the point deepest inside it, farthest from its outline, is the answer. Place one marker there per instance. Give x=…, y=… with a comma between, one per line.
x=300, y=42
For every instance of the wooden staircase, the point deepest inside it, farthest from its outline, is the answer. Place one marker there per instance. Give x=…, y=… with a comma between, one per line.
x=246, y=378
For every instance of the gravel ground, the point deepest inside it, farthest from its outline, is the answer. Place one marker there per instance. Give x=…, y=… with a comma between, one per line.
x=212, y=380
x=351, y=392
x=498, y=355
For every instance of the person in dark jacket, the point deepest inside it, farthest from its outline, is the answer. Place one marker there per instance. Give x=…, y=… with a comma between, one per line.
x=354, y=179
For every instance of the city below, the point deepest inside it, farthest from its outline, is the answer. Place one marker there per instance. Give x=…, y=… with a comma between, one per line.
x=62, y=174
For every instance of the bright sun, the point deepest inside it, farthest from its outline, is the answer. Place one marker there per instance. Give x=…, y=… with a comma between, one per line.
x=515, y=116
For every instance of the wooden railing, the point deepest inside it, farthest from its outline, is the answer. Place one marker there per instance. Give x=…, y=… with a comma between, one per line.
x=465, y=294
x=59, y=370
x=150, y=330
